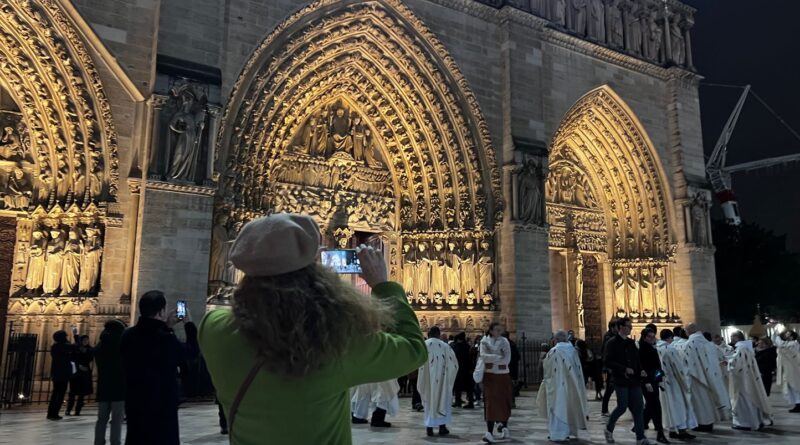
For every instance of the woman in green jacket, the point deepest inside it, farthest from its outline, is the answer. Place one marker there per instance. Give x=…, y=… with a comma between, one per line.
x=298, y=337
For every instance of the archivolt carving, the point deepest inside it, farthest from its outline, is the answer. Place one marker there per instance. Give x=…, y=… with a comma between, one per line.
x=70, y=142
x=601, y=145
x=378, y=60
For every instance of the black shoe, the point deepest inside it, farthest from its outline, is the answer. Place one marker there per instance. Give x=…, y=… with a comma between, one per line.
x=796, y=409
x=661, y=438
x=223, y=431
x=704, y=428
x=740, y=428
x=380, y=424
x=686, y=436
x=54, y=418
x=67, y=413
x=443, y=431
x=429, y=432
x=356, y=421
x=674, y=435
x=469, y=405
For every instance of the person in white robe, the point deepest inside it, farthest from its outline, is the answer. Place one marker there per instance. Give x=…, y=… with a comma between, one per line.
x=379, y=398
x=676, y=404
x=724, y=353
x=435, y=383
x=789, y=367
x=709, y=396
x=562, y=394
x=750, y=406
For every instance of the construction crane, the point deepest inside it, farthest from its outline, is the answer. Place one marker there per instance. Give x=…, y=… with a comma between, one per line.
x=720, y=175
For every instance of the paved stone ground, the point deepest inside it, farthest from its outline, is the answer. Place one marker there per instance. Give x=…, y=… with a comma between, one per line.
x=199, y=426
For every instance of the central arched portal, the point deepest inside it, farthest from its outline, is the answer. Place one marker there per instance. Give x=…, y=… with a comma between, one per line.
x=611, y=246
x=352, y=112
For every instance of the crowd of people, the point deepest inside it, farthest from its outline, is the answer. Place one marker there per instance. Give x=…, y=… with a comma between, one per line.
x=301, y=355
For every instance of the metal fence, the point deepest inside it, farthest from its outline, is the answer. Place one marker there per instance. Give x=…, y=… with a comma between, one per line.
x=531, y=352
x=26, y=374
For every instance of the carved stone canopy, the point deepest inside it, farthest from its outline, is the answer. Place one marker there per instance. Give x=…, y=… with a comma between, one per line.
x=379, y=63
x=67, y=131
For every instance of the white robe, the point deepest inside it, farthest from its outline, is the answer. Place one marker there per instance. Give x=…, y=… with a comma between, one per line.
x=789, y=369
x=725, y=352
x=709, y=395
x=562, y=394
x=676, y=400
x=369, y=396
x=750, y=404
x=435, y=382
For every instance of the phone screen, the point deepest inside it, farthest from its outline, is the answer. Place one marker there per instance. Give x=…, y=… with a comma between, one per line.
x=344, y=261
x=181, y=309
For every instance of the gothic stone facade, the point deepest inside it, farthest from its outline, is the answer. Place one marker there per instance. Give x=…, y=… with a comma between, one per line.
x=536, y=162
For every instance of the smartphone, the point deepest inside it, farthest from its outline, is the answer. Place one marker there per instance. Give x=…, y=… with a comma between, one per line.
x=344, y=261
x=181, y=309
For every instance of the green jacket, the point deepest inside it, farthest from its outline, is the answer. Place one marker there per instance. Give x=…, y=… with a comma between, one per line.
x=314, y=410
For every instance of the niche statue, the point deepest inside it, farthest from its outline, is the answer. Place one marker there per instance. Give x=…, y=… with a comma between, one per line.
x=185, y=135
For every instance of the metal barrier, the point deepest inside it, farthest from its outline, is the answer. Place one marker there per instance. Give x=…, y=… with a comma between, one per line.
x=531, y=353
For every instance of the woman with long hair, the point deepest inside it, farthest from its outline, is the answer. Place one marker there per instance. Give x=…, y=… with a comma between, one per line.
x=298, y=337
x=495, y=352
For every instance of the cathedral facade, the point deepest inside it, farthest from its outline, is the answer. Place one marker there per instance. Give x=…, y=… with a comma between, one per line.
x=535, y=162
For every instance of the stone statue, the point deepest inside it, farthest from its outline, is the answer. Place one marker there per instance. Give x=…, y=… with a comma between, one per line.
x=615, y=35
x=453, y=273
x=660, y=291
x=634, y=27
x=579, y=279
x=648, y=305
x=531, y=198
x=71, y=268
x=36, y=261
x=652, y=45
x=409, y=270
x=18, y=191
x=10, y=147
x=185, y=135
x=90, y=264
x=633, y=292
x=321, y=134
x=485, y=269
x=581, y=315
x=423, y=275
x=371, y=150
x=219, y=250
x=54, y=261
x=44, y=184
x=340, y=132
x=619, y=291
x=438, y=286
x=595, y=25
x=306, y=145
x=466, y=267
x=699, y=224
x=358, y=138
x=576, y=16
x=558, y=12
x=678, y=42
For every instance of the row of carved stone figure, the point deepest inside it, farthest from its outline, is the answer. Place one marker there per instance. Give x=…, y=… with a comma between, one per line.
x=438, y=276
x=633, y=25
x=641, y=292
x=343, y=132
x=65, y=262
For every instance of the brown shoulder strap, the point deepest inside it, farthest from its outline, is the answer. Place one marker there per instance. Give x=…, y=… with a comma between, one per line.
x=241, y=393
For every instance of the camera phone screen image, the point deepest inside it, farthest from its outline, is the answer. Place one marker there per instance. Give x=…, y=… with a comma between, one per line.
x=181, y=309
x=341, y=260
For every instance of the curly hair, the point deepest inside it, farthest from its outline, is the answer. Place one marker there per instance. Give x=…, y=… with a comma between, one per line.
x=303, y=320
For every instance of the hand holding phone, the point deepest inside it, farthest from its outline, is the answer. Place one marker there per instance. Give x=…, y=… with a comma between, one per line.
x=180, y=310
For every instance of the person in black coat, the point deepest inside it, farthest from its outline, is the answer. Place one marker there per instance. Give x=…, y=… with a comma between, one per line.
x=110, y=383
x=464, y=382
x=651, y=364
x=151, y=356
x=80, y=384
x=60, y=373
x=611, y=333
x=767, y=360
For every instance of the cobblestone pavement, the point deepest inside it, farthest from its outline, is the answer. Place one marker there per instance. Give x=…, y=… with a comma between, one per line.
x=199, y=426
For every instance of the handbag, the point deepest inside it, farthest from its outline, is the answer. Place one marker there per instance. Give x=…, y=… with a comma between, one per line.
x=477, y=375
x=242, y=392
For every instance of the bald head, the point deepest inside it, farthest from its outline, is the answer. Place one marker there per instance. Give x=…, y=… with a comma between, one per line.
x=560, y=336
x=691, y=328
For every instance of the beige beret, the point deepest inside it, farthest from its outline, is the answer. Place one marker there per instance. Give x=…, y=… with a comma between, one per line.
x=275, y=245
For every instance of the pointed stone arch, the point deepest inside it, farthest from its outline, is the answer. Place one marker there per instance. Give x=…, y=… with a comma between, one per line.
x=65, y=118
x=377, y=57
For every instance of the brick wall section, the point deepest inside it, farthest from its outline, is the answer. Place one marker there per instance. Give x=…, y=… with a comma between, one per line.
x=192, y=30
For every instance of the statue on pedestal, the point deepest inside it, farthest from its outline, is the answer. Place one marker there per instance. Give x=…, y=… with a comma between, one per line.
x=71, y=270
x=409, y=271
x=485, y=269
x=18, y=193
x=633, y=292
x=660, y=291
x=615, y=36
x=219, y=250
x=531, y=198
x=54, y=261
x=36, y=261
x=678, y=42
x=595, y=25
x=90, y=264
x=558, y=12
x=699, y=223
x=423, y=275
x=654, y=34
x=576, y=16
x=185, y=136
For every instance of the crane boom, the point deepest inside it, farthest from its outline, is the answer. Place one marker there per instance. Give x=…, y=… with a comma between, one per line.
x=720, y=179
x=763, y=163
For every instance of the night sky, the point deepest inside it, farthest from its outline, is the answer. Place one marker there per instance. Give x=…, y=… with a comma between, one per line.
x=747, y=42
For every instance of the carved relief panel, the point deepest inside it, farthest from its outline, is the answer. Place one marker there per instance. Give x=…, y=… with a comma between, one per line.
x=642, y=290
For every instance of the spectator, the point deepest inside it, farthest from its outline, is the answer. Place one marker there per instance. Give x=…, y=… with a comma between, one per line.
x=651, y=365
x=151, y=357
x=767, y=359
x=611, y=333
x=298, y=337
x=592, y=368
x=60, y=373
x=464, y=381
x=80, y=384
x=110, y=383
x=622, y=359
x=496, y=355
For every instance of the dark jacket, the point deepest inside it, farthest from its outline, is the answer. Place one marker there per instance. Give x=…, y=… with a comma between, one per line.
x=648, y=357
x=61, y=354
x=81, y=382
x=606, y=337
x=108, y=358
x=767, y=361
x=513, y=364
x=464, y=375
x=151, y=357
x=622, y=353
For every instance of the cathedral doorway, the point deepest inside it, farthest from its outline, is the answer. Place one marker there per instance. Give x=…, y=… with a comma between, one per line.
x=610, y=233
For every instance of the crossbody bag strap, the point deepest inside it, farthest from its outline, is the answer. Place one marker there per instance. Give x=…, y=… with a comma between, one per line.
x=242, y=392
